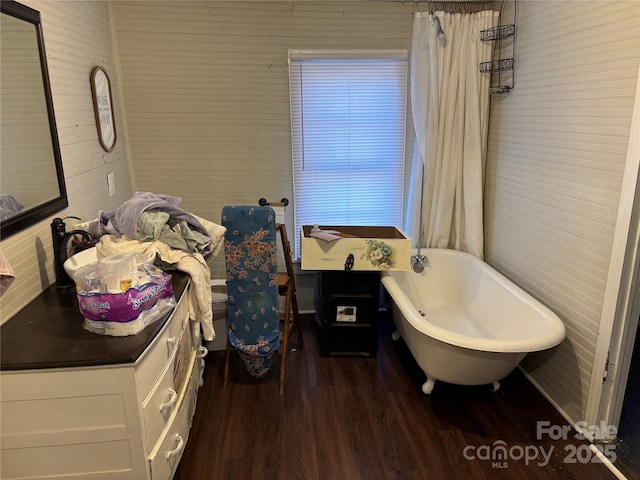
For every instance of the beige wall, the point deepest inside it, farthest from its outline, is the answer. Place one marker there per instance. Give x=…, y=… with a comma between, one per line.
x=77, y=37
x=206, y=90
x=557, y=151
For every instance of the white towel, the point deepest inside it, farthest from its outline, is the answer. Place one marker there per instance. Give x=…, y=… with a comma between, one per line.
x=7, y=275
x=279, y=210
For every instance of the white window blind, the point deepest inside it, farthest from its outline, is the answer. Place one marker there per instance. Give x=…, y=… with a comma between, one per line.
x=348, y=115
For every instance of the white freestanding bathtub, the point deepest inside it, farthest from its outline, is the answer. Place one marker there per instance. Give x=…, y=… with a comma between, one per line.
x=464, y=322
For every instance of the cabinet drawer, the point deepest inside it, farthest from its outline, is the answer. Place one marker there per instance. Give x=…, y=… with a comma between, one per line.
x=164, y=458
x=365, y=245
x=47, y=407
x=60, y=420
x=156, y=357
x=59, y=383
x=86, y=460
x=162, y=401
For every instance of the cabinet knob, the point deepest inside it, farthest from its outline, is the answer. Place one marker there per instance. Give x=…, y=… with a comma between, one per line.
x=178, y=448
x=173, y=396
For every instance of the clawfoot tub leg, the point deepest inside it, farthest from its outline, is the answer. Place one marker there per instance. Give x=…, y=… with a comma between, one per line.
x=495, y=386
x=395, y=336
x=427, y=386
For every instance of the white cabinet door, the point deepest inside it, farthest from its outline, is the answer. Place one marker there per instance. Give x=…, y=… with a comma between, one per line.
x=73, y=421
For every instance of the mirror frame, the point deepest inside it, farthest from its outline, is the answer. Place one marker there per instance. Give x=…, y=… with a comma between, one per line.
x=33, y=215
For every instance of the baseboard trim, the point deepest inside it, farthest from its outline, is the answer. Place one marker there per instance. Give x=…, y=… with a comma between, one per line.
x=566, y=416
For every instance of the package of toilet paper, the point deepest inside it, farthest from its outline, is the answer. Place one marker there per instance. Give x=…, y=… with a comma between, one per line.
x=123, y=294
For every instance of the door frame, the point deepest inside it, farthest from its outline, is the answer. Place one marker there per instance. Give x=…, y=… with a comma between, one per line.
x=621, y=308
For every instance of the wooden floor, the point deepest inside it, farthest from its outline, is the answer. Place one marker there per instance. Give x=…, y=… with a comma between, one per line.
x=366, y=418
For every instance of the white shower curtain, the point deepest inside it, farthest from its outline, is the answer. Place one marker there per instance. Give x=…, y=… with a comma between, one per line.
x=450, y=102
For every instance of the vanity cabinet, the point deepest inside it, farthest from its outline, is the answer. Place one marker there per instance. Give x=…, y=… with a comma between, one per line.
x=107, y=421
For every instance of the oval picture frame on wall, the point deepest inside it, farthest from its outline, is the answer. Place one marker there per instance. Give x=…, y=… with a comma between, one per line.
x=103, y=108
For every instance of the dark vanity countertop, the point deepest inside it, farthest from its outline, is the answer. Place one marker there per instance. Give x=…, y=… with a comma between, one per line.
x=48, y=333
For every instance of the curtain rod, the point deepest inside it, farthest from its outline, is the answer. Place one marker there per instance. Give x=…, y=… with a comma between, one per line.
x=447, y=1
x=458, y=6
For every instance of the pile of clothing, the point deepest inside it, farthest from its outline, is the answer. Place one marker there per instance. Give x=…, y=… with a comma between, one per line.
x=149, y=217
x=154, y=223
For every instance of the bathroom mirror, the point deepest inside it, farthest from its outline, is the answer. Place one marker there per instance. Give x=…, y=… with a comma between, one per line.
x=32, y=184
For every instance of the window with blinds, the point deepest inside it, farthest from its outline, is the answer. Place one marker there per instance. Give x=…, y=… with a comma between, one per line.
x=348, y=112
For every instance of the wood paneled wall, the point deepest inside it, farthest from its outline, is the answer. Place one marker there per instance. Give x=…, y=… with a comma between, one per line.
x=557, y=151
x=207, y=92
x=77, y=37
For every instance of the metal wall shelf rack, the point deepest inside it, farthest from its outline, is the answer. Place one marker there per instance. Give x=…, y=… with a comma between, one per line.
x=501, y=69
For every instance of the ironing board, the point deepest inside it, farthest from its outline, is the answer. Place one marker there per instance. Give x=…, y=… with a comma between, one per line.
x=252, y=270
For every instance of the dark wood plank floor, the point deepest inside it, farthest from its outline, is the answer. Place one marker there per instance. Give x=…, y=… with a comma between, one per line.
x=366, y=418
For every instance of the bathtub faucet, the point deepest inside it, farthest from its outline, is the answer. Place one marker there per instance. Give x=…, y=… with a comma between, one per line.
x=418, y=262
